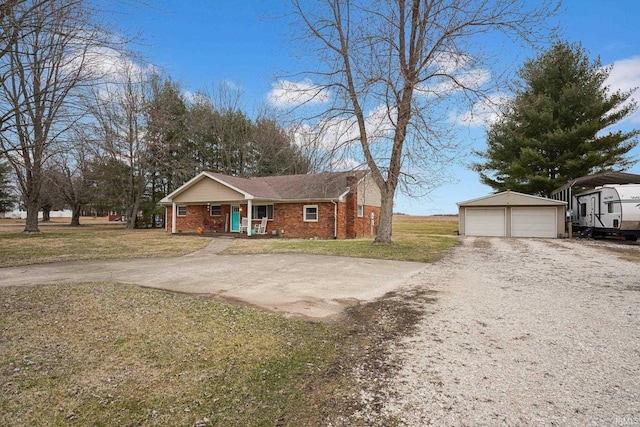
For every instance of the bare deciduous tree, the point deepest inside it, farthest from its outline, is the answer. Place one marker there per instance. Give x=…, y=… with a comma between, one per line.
x=119, y=109
x=384, y=65
x=49, y=55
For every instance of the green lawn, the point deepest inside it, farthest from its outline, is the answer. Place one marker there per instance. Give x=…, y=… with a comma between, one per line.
x=421, y=239
x=111, y=354
x=108, y=354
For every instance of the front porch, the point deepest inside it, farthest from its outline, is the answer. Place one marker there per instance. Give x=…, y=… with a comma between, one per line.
x=230, y=218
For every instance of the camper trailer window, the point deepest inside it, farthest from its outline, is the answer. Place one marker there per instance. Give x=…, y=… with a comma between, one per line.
x=609, y=207
x=583, y=209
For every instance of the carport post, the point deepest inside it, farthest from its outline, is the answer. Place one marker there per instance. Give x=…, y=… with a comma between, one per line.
x=249, y=224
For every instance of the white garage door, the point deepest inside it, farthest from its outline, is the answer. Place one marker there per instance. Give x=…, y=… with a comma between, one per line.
x=533, y=222
x=484, y=222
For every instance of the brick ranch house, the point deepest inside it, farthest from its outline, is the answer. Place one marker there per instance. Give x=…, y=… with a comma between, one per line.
x=327, y=205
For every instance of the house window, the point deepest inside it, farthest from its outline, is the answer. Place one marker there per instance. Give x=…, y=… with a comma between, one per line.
x=360, y=211
x=182, y=211
x=260, y=211
x=310, y=213
x=215, y=210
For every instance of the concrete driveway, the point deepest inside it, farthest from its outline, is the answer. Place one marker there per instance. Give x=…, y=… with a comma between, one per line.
x=309, y=285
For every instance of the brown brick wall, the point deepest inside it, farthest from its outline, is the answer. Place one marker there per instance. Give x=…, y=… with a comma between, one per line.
x=351, y=206
x=362, y=225
x=287, y=220
x=198, y=216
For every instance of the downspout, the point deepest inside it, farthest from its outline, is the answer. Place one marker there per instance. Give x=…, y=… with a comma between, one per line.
x=174, y=212
x=335, y=220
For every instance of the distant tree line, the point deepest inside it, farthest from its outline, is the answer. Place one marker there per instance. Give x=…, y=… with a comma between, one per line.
x=85, y=127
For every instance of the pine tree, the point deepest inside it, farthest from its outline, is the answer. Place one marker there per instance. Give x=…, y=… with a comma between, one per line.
x=7, y=198
x=554, y=128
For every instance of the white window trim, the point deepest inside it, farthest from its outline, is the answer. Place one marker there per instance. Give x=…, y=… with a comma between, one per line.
x=360, y=211
x=211, y=206
x=304, y=213
x=178, y=210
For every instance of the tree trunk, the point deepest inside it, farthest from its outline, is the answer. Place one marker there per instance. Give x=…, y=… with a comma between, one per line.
x=132, y=215
x=32, y=217
x=75, y=216
x=383, y=236
x=46, y=214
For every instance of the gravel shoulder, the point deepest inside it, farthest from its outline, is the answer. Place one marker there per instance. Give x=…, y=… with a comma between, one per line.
x=524, y=332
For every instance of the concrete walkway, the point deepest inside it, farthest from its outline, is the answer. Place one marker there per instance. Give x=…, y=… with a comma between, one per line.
x=309, y=285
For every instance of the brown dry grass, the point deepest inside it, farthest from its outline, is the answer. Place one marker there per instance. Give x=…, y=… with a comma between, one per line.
x=99, y=241
x=628, y=254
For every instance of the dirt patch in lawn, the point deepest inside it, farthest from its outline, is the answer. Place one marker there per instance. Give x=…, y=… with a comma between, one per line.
x=355, y=387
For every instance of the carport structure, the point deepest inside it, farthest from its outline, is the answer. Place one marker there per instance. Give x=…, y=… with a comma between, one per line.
x=512, y=214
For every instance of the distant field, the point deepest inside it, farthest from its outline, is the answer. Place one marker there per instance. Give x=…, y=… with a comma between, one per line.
x=410, y=224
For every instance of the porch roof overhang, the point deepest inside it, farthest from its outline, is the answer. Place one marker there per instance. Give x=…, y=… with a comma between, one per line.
x=168, y=200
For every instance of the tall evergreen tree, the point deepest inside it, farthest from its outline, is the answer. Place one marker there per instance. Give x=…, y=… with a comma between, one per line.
x=554, y=128
x=7, y=198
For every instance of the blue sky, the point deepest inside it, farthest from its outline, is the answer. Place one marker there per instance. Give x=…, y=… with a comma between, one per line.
x=201, y=43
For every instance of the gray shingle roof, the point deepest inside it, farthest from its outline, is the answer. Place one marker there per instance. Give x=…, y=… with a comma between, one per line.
x=326, y=185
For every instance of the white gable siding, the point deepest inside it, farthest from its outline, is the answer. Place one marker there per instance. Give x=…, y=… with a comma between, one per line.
x=207, y=190
x=368, y=192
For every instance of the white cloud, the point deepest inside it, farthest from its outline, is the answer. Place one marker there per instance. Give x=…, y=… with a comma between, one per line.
x=286, y=93
x=453, y=72
x=625, y=75
x=483, y=113
x=195, y=98
x=449, y=63
x=344, y=132
x=344, y=164
x=335, y=141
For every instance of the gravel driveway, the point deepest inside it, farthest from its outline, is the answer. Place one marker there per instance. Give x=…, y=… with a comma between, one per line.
x=524, y=332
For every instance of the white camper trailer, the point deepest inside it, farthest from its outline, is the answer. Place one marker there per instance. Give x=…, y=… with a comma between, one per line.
x=610, y=210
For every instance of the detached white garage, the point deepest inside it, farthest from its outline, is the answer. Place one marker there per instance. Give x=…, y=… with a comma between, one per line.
x=512, y=214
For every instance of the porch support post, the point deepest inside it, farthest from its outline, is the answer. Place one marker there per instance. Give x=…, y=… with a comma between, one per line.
x=174, y=211
x=249, y=213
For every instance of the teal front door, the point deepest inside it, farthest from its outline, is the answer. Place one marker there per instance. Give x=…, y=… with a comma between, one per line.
x=235, y=218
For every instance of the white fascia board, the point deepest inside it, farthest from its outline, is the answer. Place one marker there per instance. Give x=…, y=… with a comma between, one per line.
x=343, y=196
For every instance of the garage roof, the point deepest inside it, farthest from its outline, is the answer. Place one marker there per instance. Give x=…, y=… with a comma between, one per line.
x=511, y=198
x=599, y=179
